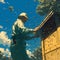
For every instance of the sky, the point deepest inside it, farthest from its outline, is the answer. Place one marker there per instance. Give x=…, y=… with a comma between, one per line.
x=9, y=11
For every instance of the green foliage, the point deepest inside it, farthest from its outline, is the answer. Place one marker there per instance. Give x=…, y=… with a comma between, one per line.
x=37, y=54
x=43, y=9
x=46, y=6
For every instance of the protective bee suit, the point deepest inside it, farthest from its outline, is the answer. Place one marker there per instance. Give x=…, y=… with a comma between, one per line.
x=19, y=36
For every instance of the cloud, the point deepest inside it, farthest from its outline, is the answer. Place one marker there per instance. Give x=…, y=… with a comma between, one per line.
x=4, y=38
x=29, y=53
x=2, y=50
x=1, y=26
x=5, y=52
x=2, y=1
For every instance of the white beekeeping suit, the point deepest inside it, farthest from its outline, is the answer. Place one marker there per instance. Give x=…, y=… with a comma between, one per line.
x=20, y=25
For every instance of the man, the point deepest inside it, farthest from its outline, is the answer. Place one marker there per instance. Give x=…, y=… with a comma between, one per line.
x=19, y=35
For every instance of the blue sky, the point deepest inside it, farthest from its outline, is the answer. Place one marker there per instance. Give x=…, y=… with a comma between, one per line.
x=7, y=18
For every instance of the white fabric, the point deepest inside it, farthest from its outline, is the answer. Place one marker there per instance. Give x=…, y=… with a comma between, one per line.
x=20, y=24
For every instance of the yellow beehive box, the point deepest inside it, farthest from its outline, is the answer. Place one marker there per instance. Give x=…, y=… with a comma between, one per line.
x=50, y=36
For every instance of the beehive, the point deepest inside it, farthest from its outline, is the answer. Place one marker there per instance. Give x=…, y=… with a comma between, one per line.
x=50, y=36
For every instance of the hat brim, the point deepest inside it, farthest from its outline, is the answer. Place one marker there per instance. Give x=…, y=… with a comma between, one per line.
x=22, y=17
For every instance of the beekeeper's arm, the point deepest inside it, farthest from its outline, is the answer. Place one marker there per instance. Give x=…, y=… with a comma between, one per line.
x=24, y=29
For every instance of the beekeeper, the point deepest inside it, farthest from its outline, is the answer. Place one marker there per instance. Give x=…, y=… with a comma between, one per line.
x=19, y=36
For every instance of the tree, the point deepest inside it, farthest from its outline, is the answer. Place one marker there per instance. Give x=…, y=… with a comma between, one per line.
x=37, y=54
x=46, y=6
